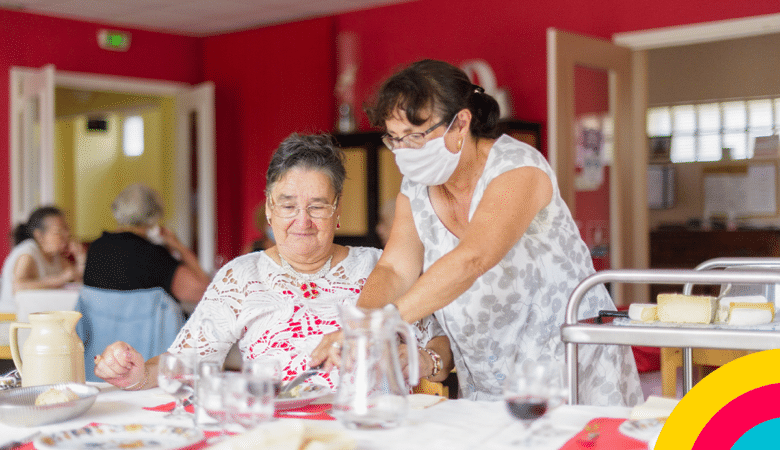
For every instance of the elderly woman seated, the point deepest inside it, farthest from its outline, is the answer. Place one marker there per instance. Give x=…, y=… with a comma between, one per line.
x=141, y=254
x=279, y=302
x=41, y=258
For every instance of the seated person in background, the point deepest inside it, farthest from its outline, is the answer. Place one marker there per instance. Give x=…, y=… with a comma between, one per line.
x=41, y=256
x=263, y=225
x=139, y=254
x=278, y=303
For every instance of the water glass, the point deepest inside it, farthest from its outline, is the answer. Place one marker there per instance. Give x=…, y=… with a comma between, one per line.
x=205, y=369
x=249, y=399
x=266, y=369
x=211, y=388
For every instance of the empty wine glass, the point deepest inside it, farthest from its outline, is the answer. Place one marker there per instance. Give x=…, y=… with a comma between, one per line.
x=531, y=388
x=176, y=376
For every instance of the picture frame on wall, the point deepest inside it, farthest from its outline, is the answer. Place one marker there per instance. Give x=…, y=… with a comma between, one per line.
x=660, y=149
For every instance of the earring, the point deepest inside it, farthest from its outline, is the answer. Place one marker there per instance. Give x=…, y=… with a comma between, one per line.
x=338, y=221
x=460, y=144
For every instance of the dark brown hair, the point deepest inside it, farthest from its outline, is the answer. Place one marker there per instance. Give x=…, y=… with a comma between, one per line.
x=435, y=86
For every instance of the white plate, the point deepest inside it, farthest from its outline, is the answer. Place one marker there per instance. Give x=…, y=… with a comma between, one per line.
x=307, y=394
x=105, y=437
x=643, y=429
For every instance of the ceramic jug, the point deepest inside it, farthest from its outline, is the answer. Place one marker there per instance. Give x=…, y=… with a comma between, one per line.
x=372, y=389
x=53, y=353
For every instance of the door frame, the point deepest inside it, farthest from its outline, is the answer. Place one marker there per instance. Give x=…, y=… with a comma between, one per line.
x=188, y=98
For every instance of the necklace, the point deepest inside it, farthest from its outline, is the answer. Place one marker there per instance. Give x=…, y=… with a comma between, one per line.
x=305, y=277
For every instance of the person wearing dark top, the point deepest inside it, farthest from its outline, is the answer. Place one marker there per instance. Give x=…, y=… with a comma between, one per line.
x=141, y=254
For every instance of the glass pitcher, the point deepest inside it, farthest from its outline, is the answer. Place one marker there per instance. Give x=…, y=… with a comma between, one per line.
x=372, y=390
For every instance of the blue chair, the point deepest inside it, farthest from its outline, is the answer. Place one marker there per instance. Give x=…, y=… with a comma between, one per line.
x=147, y=319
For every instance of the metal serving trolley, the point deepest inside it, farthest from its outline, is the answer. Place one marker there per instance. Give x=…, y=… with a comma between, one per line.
x=574, y=332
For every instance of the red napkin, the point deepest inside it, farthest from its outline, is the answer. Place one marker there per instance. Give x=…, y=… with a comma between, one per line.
x=312, y=412
x=602, y=434
x=168, y=407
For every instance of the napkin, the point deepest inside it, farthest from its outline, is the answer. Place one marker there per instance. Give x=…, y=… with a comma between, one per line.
x=168, y=407
x=289, y=435
x=654, y=408
x=310, y=412
x=422, y=401
x=602, y=434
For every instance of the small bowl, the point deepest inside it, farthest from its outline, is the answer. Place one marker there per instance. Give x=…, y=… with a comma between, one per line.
x=17, y=406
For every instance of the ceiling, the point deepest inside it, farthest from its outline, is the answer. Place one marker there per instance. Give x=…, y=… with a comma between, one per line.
x=192, y=17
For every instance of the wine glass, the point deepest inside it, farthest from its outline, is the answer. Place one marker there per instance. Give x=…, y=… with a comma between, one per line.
x=176, y=376
x=531, y=388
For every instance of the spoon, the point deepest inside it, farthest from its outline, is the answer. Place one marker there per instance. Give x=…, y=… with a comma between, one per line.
x=298, y=380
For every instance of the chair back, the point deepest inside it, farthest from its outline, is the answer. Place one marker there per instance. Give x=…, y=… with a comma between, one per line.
x=5, y=321
x=147, y=319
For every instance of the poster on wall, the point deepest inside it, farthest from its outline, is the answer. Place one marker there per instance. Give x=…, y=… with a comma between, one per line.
x=590, y=153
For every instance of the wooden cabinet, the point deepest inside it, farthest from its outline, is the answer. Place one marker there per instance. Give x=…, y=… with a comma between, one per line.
x=686, y=249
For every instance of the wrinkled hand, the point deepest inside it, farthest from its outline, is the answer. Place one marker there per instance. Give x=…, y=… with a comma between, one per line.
x=120, y=364
x=328, y=352
x=424, y=359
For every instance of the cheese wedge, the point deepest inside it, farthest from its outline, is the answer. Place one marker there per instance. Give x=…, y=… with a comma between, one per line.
x=748, y=313
x=643, y=312
x=678, y=308
x=725, y=304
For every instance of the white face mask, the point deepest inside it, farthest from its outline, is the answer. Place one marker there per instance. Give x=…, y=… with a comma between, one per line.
x=430, y=165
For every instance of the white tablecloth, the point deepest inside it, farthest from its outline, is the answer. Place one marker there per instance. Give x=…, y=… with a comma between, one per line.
x=452, y=424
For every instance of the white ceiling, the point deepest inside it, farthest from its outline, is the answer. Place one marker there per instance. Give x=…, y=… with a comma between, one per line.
x=192, y=17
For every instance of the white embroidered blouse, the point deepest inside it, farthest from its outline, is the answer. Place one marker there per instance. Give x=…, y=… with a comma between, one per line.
x=253, y=301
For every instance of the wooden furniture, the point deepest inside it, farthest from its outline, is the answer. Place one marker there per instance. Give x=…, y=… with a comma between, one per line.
x=5, y=321
x=671, y=359
x=678, y=248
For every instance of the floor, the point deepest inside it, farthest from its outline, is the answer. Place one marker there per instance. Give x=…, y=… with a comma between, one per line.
x=651, y=383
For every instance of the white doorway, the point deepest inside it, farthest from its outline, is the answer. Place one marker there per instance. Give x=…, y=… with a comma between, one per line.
x=192, y=180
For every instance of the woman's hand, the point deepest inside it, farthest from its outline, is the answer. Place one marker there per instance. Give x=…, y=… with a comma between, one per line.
x=120, y=364
x=328, y=351
x=426, y=363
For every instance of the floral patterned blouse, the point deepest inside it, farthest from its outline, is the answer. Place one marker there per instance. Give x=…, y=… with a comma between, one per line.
x=518, y=306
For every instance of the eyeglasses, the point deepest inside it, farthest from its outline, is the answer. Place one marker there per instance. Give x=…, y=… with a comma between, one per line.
x=315, y=210
x=411, y=140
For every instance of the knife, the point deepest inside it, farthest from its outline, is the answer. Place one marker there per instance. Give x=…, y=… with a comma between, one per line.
x=18, y=443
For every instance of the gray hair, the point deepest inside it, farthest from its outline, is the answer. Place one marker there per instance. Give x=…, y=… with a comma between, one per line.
x=310, y=152
x=137, y=205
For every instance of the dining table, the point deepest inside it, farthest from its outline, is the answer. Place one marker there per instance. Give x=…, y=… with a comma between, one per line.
x=448, y=424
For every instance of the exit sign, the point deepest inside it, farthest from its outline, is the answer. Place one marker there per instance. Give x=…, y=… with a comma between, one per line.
x=113, y=40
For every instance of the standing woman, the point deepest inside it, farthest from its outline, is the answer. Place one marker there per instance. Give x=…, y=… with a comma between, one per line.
x=482, y=219
x=39, y=259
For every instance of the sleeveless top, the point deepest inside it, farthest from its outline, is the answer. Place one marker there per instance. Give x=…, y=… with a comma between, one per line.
x=45, y=268
x=518, y=306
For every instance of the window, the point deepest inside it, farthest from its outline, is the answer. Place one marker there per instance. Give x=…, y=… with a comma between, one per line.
x=133, y=134
x=702, y=131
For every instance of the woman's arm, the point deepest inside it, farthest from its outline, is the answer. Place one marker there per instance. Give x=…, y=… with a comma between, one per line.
x=400, y=264
x=26, y=276
x=510, y=203
x=190, y=280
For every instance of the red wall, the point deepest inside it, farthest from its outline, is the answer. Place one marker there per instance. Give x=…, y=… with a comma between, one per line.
x=279, y=79
x=30, y=40
x=270, y=82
